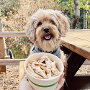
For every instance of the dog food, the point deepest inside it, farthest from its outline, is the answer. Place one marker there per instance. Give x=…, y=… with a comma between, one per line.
x=43, y=68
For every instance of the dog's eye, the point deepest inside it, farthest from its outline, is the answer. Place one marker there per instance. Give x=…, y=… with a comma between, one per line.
x=52, y=22
x=40, y=23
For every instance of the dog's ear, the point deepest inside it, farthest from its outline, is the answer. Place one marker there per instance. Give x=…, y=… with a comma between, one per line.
x=30, y=30
x=63, y=23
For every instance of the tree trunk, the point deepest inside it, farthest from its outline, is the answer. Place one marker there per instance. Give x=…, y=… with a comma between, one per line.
x=85, y=16
x=85, y=20
x=76, y=14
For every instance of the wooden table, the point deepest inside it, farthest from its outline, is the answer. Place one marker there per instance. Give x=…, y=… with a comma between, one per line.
x=78, y=41
x=77, y=47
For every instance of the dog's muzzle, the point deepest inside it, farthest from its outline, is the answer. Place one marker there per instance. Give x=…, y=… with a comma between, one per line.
x=47, y=35
x=46, y=30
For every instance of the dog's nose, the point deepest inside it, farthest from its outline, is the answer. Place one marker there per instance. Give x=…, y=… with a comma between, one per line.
x=46, y=30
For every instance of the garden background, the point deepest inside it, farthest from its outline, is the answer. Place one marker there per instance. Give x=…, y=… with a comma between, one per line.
x=16, y=13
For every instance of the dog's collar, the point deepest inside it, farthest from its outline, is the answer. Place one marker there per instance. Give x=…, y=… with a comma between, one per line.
x=52, y=52
x=55, y=52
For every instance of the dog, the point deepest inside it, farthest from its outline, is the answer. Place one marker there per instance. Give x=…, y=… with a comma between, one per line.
x=45, y=29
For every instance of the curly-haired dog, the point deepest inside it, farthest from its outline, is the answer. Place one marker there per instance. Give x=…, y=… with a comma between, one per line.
x=45, y=29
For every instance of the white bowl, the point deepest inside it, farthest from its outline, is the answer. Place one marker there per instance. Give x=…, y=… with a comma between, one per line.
x=44, y=84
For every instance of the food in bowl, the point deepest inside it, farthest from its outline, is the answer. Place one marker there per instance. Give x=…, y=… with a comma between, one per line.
x=43, y=68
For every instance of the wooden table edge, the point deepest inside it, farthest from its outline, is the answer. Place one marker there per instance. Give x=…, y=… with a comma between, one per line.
x=76, y=49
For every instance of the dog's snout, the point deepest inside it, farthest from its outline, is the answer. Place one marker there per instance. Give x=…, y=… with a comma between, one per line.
x=46, y=30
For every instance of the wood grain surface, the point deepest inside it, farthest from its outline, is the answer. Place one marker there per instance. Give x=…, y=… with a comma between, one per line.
x=78, y=41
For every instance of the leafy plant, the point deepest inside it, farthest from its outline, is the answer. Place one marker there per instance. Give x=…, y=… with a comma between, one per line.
x=12, y=6
x=68, y=5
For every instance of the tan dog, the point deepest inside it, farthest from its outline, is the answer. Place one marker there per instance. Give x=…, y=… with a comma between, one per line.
x=45, y=29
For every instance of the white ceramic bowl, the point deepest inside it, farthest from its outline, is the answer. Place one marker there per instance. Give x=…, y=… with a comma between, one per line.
x=44, y=84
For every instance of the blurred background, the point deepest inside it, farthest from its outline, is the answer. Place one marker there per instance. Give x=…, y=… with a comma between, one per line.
x=16, y=13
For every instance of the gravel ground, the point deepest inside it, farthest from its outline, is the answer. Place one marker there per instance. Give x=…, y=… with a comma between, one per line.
x=10, y=80
x=84, y=70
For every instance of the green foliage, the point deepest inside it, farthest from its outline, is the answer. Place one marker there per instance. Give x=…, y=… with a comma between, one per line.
x=84, y=4
x=88, y=19
x=18, y=53
x=20, y=47
x=12, y=6
x=69, y=6
x=66, y=5
x=7, y=27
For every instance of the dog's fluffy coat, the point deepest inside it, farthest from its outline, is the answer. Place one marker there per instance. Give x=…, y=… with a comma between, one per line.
x=56, y=25
x=55, y=21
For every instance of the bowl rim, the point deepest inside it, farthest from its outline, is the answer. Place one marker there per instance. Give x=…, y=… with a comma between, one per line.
x=39, y=78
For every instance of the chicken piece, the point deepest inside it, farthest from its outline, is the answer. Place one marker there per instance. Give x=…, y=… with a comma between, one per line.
x=39, y=71
x=44, y=59
x=31, y=71
x=54, y=70
x=47, y=71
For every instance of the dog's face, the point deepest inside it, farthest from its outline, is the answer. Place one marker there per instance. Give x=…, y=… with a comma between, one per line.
x=46, y=27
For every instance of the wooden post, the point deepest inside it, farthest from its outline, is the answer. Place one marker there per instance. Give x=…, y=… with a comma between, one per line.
x=2, y=67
